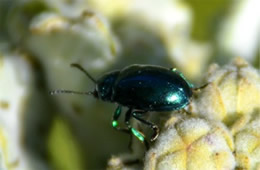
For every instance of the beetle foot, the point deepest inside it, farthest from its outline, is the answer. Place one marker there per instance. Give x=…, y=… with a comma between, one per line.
x=156, y=133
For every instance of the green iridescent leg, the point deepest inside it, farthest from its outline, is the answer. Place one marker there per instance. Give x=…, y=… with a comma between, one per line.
x=116, y=116
x=115, y=120
x=135, y=132
x=129, y=129
x=125, y=130
x=137, y=115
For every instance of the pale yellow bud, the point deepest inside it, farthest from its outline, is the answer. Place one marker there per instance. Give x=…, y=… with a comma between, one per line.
x=192, y=144
x=232, y=95
x=247, y=145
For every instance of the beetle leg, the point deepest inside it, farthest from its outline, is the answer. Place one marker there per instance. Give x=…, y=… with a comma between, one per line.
x=140, y=136
x=201, y=87
x=115, y=120
x=137, y=115
x=115, y=125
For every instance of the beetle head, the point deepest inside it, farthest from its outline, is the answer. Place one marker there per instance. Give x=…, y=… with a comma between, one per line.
x=105, y=84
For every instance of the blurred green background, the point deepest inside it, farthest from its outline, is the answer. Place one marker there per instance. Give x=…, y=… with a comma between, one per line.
x=39, y=39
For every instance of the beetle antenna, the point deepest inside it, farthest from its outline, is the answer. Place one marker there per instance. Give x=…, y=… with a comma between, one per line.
x=84, y=71
x=54, y=92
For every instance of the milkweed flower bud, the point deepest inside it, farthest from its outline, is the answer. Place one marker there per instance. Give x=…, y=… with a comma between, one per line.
x=232, y=94
x=247, y=145
x=191, y=143
x=94, y=45
x=15, y=87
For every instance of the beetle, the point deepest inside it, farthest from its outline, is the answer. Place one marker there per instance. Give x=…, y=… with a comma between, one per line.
x=140, y=88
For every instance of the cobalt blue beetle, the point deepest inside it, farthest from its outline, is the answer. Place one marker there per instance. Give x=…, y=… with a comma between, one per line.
x=140, y=88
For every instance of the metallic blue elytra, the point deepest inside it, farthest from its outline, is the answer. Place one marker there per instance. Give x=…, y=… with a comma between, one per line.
x=140, y=88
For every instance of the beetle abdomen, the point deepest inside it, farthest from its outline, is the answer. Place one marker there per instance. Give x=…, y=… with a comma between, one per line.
x=151, y=88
